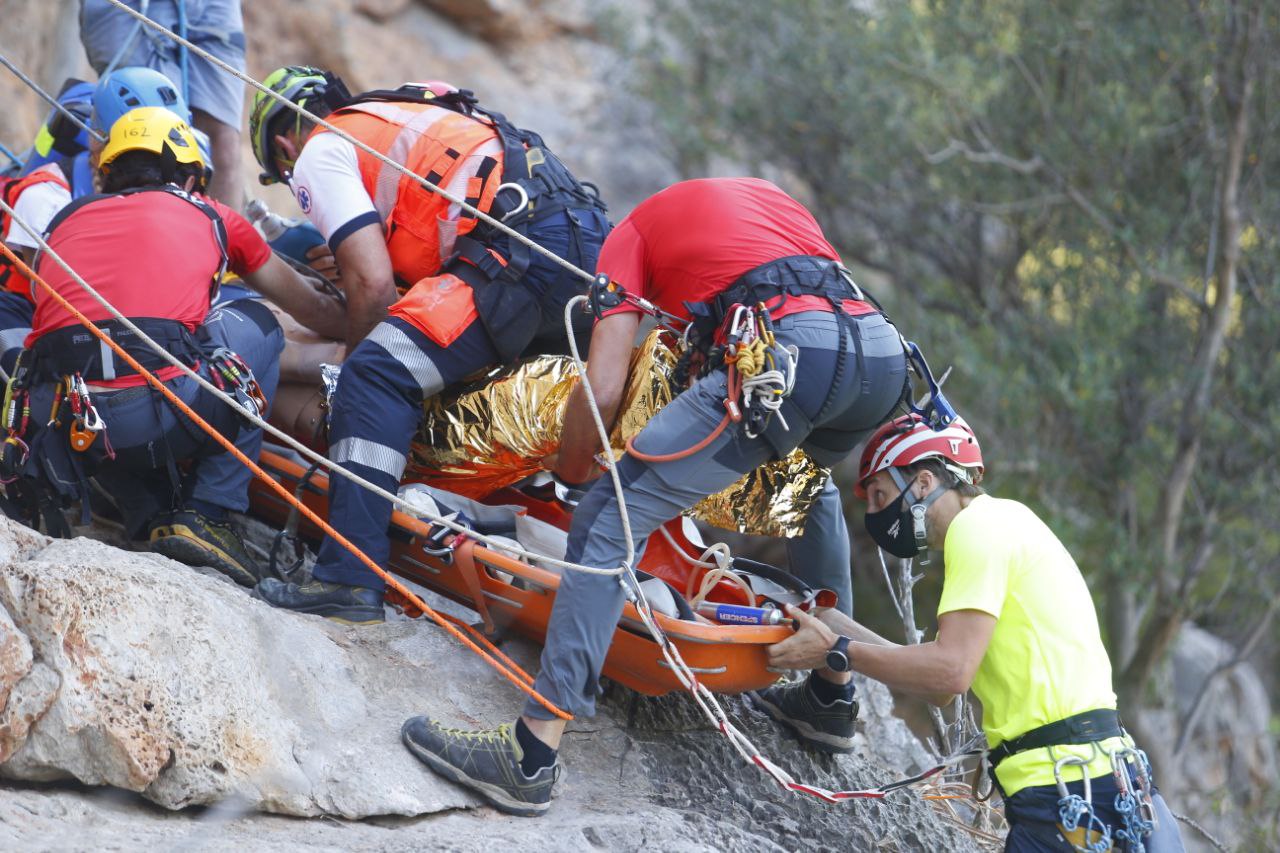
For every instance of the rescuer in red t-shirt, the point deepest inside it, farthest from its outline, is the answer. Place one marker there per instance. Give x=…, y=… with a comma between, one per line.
x=698, y=250
x=156, y=252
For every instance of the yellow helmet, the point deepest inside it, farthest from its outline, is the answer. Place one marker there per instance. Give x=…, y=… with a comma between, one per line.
x=153, y=129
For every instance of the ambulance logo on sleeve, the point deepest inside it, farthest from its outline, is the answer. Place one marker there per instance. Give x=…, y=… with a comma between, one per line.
x=304, y=199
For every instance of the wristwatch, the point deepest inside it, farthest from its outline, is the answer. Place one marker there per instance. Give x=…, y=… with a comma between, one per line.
x=838, y=655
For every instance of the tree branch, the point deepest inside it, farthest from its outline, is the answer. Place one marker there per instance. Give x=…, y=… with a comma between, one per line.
x=1192, y=720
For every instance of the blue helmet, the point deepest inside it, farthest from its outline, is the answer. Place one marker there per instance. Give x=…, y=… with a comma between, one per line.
x=136, y=86
x=60, y=137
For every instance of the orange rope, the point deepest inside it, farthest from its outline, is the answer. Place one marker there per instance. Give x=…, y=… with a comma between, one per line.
x=730, y=404
x=523, y=680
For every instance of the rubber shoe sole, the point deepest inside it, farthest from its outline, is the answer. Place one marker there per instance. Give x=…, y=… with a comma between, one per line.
x=343, y=615
x=180, y=543
x=805, y=733
x=496, y=797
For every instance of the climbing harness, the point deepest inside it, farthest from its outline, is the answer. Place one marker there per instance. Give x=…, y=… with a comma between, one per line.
x=706, y=701
x=490, y=654
x=760, y=374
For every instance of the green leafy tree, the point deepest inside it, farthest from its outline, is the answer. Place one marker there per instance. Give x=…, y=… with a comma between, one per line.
x=1069, y=202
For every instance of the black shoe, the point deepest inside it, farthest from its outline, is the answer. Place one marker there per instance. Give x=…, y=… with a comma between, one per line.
x=827, y=728
x=487, y=762
x=189, y=537
x=351, y=605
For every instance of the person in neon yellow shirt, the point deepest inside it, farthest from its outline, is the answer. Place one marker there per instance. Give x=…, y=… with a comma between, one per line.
x=1016, y=624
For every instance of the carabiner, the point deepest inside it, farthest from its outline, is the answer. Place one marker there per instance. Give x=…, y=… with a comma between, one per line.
x=937, y=411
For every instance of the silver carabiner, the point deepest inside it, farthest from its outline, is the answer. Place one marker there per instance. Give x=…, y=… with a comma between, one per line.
x=524, y=198
x=1074, y=761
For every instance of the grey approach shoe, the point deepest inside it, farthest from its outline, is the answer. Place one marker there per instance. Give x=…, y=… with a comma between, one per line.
x=487, y=762
x=350, y=605
x=827, y=728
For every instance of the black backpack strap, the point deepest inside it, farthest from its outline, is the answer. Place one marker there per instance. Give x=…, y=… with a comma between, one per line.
x=219, y=227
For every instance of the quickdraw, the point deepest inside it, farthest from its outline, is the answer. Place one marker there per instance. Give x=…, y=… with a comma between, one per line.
x=1134, y=803
x=14, y=418
x=1086, y=832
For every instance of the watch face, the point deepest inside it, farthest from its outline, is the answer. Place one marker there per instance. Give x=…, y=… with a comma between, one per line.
x=837, y=661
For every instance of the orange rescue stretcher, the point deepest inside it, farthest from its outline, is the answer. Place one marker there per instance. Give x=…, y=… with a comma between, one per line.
x=518, y=596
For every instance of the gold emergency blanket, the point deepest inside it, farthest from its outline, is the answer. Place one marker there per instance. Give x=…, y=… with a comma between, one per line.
x=498, y=431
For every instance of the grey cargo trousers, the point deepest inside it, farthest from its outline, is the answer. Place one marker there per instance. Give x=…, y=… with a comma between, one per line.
x=864, y=392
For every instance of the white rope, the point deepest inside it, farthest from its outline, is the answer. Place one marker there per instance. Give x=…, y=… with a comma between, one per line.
x=378, y=155
x=290, y=442
x=705, y=700
x=602, y=433
x=50, y=99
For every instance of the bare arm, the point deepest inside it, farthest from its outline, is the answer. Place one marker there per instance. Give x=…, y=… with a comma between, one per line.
x=367, y=280
x=608, y=363
x=284, y=286
x=937, y=670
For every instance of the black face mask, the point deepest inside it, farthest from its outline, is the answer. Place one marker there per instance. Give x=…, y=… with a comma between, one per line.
x=900, y=529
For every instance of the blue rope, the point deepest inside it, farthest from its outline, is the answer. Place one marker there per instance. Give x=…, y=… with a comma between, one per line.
x=1136, y=828
x=14, y=157
x=182, y=51
x=127, y=43
x=1072, y=809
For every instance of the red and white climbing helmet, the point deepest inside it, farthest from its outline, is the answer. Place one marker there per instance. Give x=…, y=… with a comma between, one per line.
x=906, y=440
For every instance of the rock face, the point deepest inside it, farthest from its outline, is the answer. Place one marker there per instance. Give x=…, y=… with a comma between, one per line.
x=1228, y=761
x=127, y=670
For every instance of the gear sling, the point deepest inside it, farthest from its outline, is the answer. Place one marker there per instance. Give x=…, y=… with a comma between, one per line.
x=531, y=184
x=73, y=441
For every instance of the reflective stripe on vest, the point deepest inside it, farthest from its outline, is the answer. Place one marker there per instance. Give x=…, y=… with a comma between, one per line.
x=429, y=141
x=10, y=278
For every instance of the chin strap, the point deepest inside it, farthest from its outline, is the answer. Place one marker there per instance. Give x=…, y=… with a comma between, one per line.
x=917, y=510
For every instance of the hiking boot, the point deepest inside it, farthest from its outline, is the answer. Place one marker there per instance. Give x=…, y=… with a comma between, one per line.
x=487, y=762
x=827, y=728
x=189, y=537
x=350, y=605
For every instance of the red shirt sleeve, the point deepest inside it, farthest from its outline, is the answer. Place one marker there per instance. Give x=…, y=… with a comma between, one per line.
x=246, y=248
x=623, y=257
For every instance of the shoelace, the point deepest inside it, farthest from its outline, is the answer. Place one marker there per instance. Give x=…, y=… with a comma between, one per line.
x=498, y=735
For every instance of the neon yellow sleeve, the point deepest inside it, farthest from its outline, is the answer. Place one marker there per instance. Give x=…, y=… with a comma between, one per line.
x=978, y=555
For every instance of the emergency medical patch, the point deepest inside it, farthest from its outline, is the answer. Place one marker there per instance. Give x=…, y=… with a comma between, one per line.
x=304, y=199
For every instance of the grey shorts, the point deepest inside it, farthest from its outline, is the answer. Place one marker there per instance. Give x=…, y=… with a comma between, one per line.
x=214, y=25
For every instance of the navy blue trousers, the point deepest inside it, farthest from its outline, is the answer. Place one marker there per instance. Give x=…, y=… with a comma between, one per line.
x=16, y=312
x=378, y=404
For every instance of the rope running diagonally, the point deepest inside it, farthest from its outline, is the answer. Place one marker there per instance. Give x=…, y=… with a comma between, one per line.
x=283, y=437
x=706, y=701
x=378, y=155
x=514, y=674
x=52, y=101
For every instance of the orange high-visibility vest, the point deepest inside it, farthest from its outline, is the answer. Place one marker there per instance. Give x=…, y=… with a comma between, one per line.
x=430, y=141
x=10, y=278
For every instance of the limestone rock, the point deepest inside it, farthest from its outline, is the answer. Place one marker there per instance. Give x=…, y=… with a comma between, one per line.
x=143, y=675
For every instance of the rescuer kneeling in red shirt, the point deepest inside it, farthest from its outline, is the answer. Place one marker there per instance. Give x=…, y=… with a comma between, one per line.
x=155, y=251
